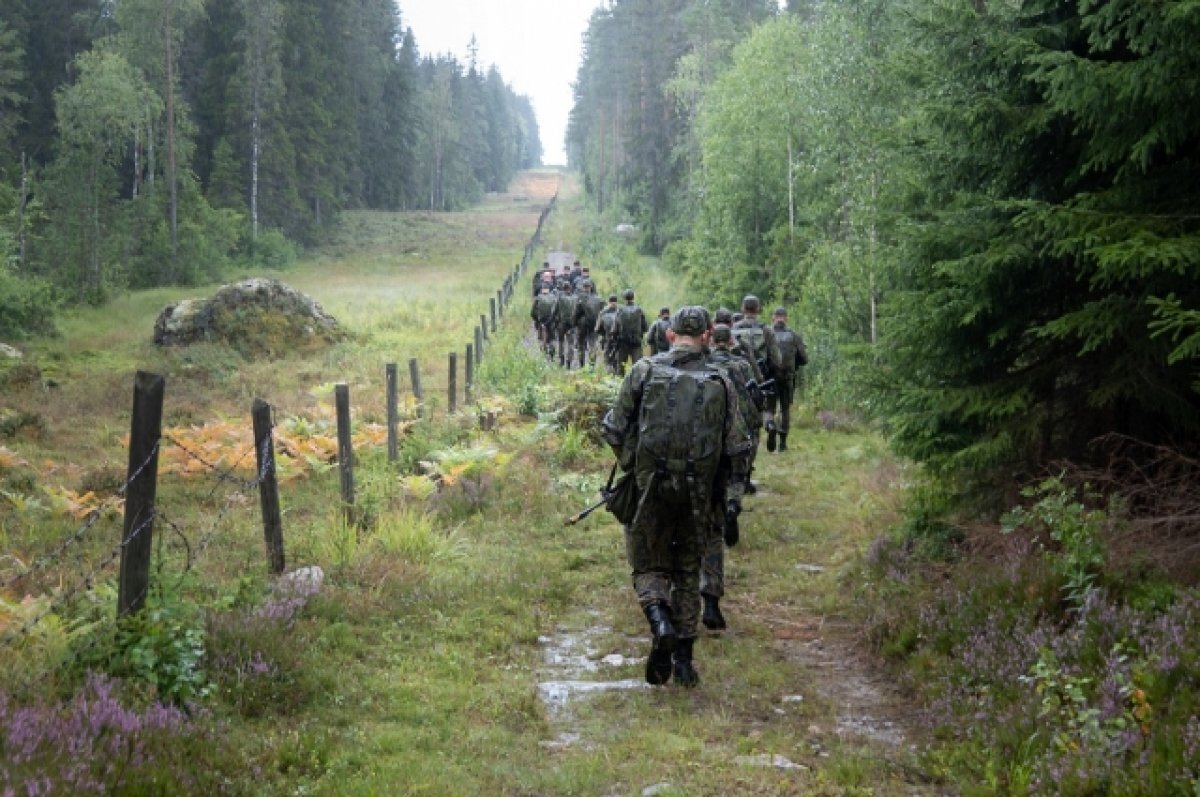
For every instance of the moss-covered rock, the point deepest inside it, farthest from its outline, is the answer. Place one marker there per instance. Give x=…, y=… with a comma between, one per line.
x=257, y=317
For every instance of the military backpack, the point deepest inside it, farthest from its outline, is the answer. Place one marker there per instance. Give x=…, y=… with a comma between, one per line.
x=543, y=308
x=681, y=431
x=629, y=324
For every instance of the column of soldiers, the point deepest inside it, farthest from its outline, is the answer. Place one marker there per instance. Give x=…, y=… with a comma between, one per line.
x=686, y=423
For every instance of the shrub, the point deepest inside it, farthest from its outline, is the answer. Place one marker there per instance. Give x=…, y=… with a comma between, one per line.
x=27, y=307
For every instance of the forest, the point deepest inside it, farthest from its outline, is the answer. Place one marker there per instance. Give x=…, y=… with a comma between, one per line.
x=984, y=212
x=162, y=142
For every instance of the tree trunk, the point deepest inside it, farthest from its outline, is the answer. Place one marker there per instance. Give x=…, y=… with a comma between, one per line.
x=21, y=203
x=172, y=178
x=255, y=151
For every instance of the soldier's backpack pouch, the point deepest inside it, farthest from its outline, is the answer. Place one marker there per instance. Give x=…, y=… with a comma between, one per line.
x=629, y=325
x=623, y=498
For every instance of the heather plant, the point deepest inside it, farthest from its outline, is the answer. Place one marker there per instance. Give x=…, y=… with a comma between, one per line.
x=92, y=745
x=1097, y=700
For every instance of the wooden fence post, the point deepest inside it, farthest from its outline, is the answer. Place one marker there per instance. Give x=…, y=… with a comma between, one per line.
x=452, y=384
x=393, y=414
x=483, y=325
x=414, y=376
x=341, y=392
x=268, y=486
x=470, y=376
x=478, y=346
x=492, y=303
x=137, y=536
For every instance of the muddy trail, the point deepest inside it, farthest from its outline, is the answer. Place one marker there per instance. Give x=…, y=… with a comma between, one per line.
x=844, y=706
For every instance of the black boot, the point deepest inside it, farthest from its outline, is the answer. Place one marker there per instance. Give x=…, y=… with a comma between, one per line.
x=685, y=673
x=658, y=664
x=771, y=436
x=712, y=618
x=783, y=441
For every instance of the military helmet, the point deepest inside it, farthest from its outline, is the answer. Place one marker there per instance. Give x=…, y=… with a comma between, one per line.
x=664, y=311
x=612, y=297
x=780, y=312
x=691, y=320
x=722, y=333
x=750, y=304
x=723, y=316
x=629, y=294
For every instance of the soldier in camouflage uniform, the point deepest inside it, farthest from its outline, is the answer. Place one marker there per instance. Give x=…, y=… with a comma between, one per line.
x=666, y=539
x=793, y=354
x=631, y=328
x=758, y=342
x=656, y=338
x=724, y=529
x=606, y=333
x=587, y=311
x=564, y=323
x=542, y=313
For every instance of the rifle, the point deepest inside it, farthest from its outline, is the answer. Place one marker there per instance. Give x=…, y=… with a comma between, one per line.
x=605, y=497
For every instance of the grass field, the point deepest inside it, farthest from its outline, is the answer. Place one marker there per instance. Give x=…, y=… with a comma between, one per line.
x=464, y=640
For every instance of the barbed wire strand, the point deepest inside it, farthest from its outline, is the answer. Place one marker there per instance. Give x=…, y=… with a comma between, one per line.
x=83, y=583
x=223, y=474
x=77, y=535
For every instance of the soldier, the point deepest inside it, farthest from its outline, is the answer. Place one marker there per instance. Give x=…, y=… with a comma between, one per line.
x=587, y=312
x=673, y=420
x=723, y=530
x=793, y=355
x=606, y=332
x=542, y=275
x=564, y=322
x=656, y=338
x=542, y=314
x=631, y=328
x=575, y=275
x=758, y=342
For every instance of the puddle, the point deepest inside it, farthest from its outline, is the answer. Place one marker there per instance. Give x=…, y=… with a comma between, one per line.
x=573, y=669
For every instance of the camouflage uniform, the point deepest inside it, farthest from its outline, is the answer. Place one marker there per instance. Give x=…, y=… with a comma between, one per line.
x=769, y=367
x=542, y=313
x=666, y=542
x=564, y=323
x=606, y=332
x=712, y=576
x=793, y=354
x=656, y=338
x=630, y=349
x=587, y=311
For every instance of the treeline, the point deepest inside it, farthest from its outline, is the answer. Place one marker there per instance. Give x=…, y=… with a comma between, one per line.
x=987, y=209
x=153, y=142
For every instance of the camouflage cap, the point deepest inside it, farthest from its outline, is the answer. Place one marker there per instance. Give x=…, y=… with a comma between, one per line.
x=723, y=316
x=629, y=293
x=750, y=303
x=664, y=311
x=722, y=333
x=612, y=297
x=780, y=312
x=691, y=321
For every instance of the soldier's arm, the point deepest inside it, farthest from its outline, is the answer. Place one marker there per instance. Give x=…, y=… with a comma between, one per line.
x=737, y=445
x=619, y=427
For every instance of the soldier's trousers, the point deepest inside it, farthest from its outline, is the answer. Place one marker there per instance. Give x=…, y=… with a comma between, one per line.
x=566, y=339
x=664, y=548
x=785, y=384
x=585, y=342
x=631, y=352
x=712, y=568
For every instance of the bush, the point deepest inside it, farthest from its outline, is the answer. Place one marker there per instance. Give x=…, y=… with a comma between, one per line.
x=27, y=307
x=272, y=250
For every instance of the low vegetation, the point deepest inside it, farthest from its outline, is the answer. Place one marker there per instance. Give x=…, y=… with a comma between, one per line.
x=441, y=647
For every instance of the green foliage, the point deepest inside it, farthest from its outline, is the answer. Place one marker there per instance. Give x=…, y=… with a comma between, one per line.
x=163, y=646
x=1070, y=523
x=27, y=307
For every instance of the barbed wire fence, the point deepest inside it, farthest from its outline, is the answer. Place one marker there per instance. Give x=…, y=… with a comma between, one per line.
x=137, y=495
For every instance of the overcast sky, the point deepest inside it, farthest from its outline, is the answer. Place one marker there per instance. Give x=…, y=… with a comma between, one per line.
x=535, y=44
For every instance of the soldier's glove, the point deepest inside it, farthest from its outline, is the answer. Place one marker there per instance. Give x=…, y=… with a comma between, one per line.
x=732, y=510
